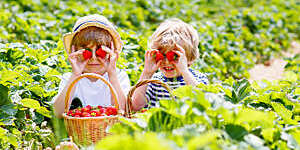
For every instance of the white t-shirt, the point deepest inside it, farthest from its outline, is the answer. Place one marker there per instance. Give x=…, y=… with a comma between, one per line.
x=95, y=93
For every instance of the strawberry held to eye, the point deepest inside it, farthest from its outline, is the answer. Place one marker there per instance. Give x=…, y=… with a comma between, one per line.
x=158, y=56
x=171, y=56
x=101, y=53
x=87, y=54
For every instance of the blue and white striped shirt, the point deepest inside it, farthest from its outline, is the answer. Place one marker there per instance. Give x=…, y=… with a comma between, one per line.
x=155, y=92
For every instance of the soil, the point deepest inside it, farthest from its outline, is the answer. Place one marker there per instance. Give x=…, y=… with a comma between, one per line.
x=275, y=67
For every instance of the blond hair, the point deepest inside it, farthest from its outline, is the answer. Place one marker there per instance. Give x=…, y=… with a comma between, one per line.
x=94, y=35
x=176, y=31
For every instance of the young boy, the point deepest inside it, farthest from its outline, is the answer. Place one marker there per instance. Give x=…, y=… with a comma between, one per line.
x=174, y=47
x=93, y=33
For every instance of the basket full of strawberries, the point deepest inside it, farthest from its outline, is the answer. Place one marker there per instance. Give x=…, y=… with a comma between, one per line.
x=89, y=124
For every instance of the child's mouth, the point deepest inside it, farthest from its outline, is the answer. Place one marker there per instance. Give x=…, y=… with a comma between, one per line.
x=168, y=69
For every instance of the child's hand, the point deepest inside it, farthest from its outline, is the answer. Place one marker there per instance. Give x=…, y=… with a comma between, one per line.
x=150, y=64
x=67, y=146
x=77, y=64
x=181, y=64
x=110, y=62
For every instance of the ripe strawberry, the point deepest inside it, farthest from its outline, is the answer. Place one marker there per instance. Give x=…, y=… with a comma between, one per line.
x=85, y=109
x=69, y=113
x=101, y=110
x=99, y=107
x=143, y=110
x=85, y=114
x=89, y=107
x=101, y=53
x=87, y=54
x=171, y=56
x=77, y=112
x=111, y=111
x=158, y=56
x=95, y=113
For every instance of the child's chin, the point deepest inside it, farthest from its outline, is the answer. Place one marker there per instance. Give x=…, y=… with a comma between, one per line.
x=169, y=74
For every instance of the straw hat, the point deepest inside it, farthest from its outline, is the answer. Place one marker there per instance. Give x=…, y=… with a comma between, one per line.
x=92, y=20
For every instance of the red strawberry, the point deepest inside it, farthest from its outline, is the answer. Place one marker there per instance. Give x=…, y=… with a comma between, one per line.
x=69, y=113
x=171, y=56
x=143, y=110
x=77, y=112
x=89, y=107
x=158, y=56
x=87, y=54
x=99, y=107
x=85, y=109
x=111, y=111
x=85, y=114
x=101, y=110
x=95, y=113
x=101, y=53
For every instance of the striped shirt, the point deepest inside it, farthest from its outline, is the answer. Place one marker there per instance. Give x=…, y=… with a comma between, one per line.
x=155, y=92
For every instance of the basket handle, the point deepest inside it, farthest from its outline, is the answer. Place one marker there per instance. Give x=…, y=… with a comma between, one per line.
x=128, y=107
x=92, y=75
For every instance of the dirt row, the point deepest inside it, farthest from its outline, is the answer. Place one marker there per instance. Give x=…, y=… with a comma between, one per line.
x=276, y=68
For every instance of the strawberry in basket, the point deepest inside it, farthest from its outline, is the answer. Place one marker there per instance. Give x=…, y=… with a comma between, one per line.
x=95, y=111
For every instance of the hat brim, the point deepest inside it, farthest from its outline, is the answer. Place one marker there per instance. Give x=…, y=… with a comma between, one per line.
x=68, y=37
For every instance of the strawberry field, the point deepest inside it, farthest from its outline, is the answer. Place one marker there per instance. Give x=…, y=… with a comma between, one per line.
x=229, y=113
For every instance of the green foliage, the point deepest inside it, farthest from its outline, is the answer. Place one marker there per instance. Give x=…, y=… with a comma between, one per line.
x=229, y=114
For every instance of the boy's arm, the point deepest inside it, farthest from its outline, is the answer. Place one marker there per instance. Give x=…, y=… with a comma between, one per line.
x=59, y=102
x=182, y=67
x=113, y=79
x=189, y=78
x=139, y=95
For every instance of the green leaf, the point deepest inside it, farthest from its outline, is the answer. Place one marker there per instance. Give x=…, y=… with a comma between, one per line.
x=297, y=91
x=264, y=119
x=44, y=111
x=184, y=91
x=236, y=132
x=268, y=134
x=4, y=95
x=30, y=103
x=204, y=139
x=284, y=113
x=163, y=121
x=290, y=76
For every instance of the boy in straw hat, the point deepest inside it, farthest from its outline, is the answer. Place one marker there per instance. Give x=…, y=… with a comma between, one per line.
x=93, y=46
x=174, y=47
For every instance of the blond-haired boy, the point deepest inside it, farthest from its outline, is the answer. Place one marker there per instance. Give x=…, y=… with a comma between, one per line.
x=177, y=44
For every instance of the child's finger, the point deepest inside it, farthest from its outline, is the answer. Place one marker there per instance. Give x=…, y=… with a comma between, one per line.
x=178, y=53
x=112, y=46
x=180, y=48
x=106, y=49
x=73, y=49
x=76, y=53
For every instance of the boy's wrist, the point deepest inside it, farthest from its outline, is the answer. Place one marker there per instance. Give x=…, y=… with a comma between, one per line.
x=185, y=72
x=146, y=75
x=112, y=73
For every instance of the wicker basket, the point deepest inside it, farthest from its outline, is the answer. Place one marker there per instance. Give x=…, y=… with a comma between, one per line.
x=128, y=107
x=88, y=130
